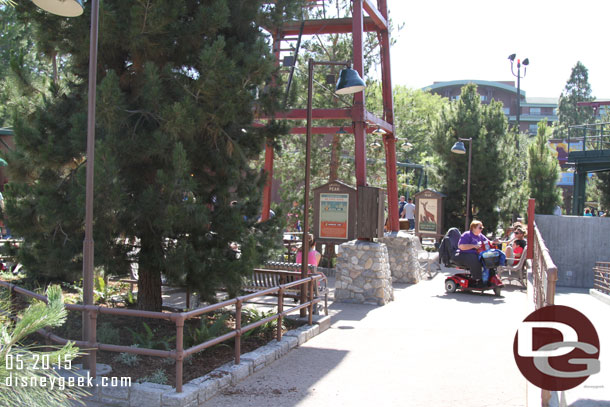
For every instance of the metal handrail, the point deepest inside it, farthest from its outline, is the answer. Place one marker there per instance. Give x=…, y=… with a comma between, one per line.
x=544, y=272
x=178, y=318
x=601, y=277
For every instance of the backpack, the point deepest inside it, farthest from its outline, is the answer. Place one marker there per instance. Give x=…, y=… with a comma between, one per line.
x=448, y=246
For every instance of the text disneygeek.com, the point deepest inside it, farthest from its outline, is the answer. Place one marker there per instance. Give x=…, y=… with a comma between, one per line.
x=38, y=363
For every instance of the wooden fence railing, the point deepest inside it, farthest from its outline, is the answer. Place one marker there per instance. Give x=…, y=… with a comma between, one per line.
x=601, y=277
x=178, y=318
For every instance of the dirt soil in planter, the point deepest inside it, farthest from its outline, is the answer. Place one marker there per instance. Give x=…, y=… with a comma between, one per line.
x=115, y=329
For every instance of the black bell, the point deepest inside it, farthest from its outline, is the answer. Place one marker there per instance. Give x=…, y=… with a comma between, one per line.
x=349, y=82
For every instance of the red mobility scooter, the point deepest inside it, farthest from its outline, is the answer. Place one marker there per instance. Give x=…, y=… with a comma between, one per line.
x=490, y=258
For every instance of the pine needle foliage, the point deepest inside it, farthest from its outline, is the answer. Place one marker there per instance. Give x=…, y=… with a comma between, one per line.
x=24, y=380
x=543, y=172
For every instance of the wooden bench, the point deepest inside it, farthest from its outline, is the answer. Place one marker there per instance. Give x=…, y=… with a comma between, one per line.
x=277, y=273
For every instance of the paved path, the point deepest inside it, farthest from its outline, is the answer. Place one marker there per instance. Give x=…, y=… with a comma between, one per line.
x=595, y=391
x=426, y=348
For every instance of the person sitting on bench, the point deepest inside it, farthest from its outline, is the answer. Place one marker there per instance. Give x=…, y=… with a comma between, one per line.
x=468, y=246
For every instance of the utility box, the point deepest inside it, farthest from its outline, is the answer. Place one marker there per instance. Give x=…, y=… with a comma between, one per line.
x=371, y=204
x=429, y=213
x=334, y=212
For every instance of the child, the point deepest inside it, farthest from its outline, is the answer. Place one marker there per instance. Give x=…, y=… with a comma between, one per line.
x=313, y=257
x=518, y=246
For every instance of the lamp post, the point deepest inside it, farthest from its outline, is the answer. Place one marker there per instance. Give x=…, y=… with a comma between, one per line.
x=349, y=82
x=525, y=63
x=459, y=148
x=74, y=8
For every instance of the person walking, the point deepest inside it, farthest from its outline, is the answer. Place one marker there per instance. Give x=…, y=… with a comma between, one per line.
x=401, y=205
x=409, y=212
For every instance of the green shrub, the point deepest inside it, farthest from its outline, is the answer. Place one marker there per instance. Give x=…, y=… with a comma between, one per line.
x=128, y=359
x=207, y=330
x=147, y=340
x=252, y=315
x=106, y=333
x=158, y=377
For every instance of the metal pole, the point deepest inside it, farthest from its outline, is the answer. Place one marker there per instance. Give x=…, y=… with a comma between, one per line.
x=467, y=226
x=305, y=244
x=531, y=214
x=518, y=100
x=88, y=244
x=268, y=182
x=358, y=108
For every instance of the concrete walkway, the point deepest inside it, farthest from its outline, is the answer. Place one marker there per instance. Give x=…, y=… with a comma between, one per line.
x=426, y=348
x=595, y=391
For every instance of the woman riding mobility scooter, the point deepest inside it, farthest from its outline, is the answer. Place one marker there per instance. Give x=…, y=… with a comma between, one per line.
x=471, y=251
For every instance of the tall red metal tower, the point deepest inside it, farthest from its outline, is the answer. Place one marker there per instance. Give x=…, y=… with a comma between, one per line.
x=363, y=121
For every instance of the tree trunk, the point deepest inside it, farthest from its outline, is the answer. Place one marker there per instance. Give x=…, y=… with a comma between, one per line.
x=334, y=158
x=149, y=277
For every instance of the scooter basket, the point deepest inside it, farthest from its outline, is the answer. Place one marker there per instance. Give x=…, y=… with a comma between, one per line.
x=491, y=259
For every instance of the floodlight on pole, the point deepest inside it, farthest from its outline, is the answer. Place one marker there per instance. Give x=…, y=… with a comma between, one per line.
x=406, y=145
x=379, y=131
x=525, y=63
x=458, y=148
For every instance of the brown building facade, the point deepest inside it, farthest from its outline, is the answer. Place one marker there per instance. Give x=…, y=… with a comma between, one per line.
x=533, y=109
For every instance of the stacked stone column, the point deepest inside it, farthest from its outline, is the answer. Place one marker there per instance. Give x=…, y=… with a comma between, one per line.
x=403, y=256
x=363, y=273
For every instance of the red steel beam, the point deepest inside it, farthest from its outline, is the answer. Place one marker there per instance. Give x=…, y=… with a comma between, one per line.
x=359, y=105
x=329, y=129
x=301, y=114
x=380, y=20
x=265, y=214
x=376, y=121
x=388, y=115
x=324, y=26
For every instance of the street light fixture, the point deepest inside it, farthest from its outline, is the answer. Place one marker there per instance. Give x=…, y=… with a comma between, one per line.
x=73, y=8
x=64, y=8
x=405, y=144
x=458, y=148
x=525, y=63
x=349, y=82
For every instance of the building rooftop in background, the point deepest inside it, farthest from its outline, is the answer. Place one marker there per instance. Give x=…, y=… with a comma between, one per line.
x=533, y=109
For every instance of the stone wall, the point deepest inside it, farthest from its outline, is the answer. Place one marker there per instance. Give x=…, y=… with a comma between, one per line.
x=402, y=252
x=363, y=273
x=196, y=392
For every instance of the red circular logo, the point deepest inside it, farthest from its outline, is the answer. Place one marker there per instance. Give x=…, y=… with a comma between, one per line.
x=556, y=348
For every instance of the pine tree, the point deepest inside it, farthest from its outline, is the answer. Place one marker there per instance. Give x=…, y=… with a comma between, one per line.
x=543, y=172
x=487, y=126
x=577, y=89
x=24, y=75
x=178, y=86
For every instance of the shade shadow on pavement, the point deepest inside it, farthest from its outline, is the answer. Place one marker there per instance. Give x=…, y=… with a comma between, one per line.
x=412, y=352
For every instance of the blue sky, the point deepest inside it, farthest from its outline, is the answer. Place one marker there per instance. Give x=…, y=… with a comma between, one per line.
x=446, y=40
